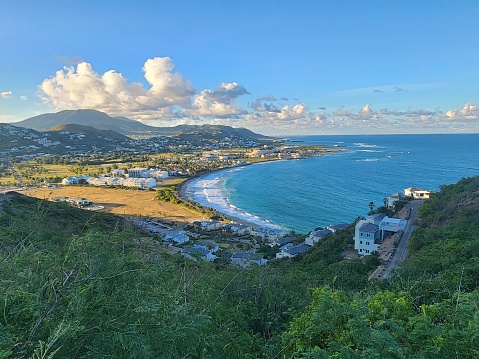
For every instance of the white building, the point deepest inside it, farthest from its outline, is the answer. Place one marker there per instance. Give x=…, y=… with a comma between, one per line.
x=160, y=174
x=315, y=236
x=366, y=237
x=369, y=233
x=416, y=193
x=138, y=172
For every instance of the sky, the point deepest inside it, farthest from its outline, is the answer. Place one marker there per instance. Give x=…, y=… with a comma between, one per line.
x=277, y=67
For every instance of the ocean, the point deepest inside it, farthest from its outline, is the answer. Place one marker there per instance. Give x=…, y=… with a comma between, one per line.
x=302, y=195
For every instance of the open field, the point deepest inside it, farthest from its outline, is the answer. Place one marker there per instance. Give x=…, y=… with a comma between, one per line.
x=122, y=202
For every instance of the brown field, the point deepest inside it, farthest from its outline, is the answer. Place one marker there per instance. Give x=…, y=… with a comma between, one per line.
x=122, y=202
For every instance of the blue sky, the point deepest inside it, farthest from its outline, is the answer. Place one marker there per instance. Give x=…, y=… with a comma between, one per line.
x=277, y=67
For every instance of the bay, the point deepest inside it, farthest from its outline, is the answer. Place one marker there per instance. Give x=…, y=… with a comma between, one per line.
x=301, y=195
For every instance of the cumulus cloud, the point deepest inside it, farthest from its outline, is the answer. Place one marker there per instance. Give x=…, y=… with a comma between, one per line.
x=6, y=94
x=219, y=102
x=469, y=111
x=83, y=87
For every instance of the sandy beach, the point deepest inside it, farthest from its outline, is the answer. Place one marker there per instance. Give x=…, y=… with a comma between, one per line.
x=209, y=191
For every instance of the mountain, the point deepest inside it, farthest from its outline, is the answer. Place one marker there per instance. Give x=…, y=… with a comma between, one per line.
x=125, y=126
x=93, y=118
x=88, y=131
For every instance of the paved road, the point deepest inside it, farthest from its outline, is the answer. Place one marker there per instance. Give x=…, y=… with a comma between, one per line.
x=400, y=254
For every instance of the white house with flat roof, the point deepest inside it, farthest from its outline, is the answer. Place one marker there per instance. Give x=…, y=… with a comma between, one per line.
x=369, y=233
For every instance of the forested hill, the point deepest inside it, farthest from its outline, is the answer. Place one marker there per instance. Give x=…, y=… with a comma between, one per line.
x=76, y=284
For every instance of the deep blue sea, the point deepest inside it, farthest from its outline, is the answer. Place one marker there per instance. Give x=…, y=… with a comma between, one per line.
x=304, y=194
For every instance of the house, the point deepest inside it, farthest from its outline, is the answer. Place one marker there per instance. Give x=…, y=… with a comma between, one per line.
x=212, y=246
x=421, y=194
x=293, y=251
x=240, y=229
x=198, y=252
x=315, y=236
x=369, y=233
x=267, y=233
x=394, y=198
x=366, y=237
x=282, y=241
x=336, y=227
x=179, y=237
x=211, y=225
x=408, y=192
x=375, y=218
x=245, y=259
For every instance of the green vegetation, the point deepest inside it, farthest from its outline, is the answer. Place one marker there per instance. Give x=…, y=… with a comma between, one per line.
x=76, y=284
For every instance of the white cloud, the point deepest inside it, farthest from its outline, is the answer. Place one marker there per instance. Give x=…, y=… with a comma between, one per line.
x=83, y=87
x=469, y=111
x=6, y=94
x=221, y=102
x=23, y=98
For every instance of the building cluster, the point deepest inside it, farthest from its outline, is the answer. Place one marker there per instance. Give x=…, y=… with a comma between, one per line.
x=268, y=235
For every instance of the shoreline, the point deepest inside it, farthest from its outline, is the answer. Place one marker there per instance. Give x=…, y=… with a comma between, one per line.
x=237, y=215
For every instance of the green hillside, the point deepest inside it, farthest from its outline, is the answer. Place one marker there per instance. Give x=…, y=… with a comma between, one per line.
x=76, y=284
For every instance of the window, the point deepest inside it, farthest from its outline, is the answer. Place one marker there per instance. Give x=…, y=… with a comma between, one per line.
x=367, y=243
x=361, y=234
x=367, y=250
x=360, y=250
x=360, y=242
x=368, y=235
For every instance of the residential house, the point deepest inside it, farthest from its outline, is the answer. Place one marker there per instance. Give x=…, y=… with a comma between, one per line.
x=199, y=252
x=394, y=198
x=240, y=229
x=245, y=259
x=282, y=241
x=211, y=225
x=366, y=237
x=212, y=246
x=267, y=233
x=408, y=192
x=293, y=251
x=178, y=237
x=369, y=233
x=315, y=236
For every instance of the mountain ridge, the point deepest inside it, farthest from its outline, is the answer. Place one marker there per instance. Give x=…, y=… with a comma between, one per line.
x=125, y=126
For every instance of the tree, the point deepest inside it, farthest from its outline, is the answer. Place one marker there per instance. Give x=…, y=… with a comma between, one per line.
x=371, y=207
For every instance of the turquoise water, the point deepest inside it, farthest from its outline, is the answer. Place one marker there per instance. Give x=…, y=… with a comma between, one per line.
x=301, y=195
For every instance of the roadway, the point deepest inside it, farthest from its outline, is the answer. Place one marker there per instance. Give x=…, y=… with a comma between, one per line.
x=401, y=253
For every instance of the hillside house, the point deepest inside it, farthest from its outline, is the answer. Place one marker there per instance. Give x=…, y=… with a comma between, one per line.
x=366, y=237
x=369, y=233
x=293, y=251
x=239, y=229
x=245, y=259
x=199, y=252
x=178, y=237
x=394, y=198
x=211, y=225
x=315, y=236
x=282, y=241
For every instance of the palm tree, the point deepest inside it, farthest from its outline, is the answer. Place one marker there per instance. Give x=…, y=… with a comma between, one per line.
x=371, y=207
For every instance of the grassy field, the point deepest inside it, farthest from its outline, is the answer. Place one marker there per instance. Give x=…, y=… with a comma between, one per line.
x=122, y=202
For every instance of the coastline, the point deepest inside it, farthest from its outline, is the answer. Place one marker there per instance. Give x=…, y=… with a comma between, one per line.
x=211, y=182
